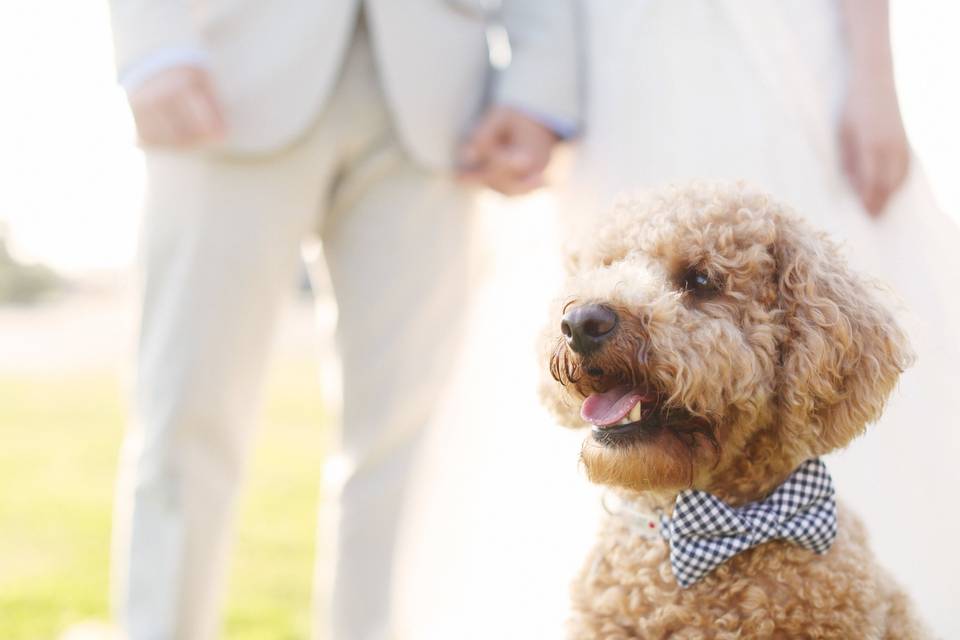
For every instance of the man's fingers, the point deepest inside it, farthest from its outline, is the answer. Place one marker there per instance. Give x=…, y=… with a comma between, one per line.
x=177, y=108
x=518, y=161
x=155, y=128
x=473, y=176
x=500, y=174
x=491, y=177
x=207, y=95
x=180, y=121
x=508, y=185
x=186, y=130
x=508, y=152
x=529, y=183
x=483, y=141
x=201, y=116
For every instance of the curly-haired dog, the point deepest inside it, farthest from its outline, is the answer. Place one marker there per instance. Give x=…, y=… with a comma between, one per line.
x=718, y=346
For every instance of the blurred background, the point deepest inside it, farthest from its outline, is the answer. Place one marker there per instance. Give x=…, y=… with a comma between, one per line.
x=70, y=185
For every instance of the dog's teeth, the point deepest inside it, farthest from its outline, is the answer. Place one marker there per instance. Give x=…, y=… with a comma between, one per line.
x=635, y=413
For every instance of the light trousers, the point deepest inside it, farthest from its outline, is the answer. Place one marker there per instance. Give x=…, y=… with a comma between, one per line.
x=220, y=251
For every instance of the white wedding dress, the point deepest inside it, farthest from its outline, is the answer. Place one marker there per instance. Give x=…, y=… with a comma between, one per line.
x=500, y=515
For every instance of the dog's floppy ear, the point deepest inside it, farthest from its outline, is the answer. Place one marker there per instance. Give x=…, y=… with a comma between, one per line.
x=843, y=350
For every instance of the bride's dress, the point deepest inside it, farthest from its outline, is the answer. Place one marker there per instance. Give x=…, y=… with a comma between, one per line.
x=500, y=515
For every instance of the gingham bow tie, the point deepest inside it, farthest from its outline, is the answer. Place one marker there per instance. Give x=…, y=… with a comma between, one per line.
x=704, y=532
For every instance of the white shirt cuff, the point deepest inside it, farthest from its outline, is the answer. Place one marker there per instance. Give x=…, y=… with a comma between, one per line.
x=160, y=60
x=563, y=128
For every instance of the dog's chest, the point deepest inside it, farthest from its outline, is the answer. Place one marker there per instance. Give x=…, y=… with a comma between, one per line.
x=627, y=586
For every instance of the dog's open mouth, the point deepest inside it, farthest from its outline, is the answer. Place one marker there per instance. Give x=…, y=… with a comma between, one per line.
x=627, y=414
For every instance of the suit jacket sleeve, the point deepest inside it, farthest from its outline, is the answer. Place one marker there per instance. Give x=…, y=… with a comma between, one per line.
x=544, y=73
x=141, y=28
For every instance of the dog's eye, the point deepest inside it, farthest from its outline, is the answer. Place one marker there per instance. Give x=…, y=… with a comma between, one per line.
x=699, y=283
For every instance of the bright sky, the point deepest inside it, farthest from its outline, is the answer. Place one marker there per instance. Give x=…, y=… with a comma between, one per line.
x=70, y=176
x=70, y=179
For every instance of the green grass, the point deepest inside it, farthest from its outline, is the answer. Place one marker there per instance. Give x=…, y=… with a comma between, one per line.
x=59, y=440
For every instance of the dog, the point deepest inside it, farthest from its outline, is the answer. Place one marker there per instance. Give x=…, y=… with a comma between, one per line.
x=718, y=346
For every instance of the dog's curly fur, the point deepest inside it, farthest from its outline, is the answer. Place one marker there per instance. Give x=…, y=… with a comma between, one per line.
x=776, y=353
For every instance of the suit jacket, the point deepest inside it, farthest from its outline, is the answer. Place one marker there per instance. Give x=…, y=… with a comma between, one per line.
x=274, y=63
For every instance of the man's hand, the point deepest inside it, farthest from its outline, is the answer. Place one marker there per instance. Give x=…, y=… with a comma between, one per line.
x=177, y=108
x=508, y=152
x=873, y=145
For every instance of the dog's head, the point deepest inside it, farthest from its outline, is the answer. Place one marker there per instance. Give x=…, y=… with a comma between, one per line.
x=707, y=329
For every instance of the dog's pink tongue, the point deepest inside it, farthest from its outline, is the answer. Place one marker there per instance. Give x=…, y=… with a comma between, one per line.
x=604, y=409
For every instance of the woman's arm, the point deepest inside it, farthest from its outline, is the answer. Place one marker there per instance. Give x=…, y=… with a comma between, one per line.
x=873, y=143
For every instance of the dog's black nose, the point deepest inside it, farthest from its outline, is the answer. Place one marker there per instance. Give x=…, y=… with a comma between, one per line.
x=586, y=327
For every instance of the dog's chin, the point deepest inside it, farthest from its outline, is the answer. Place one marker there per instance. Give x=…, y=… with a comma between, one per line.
x=662, y=451
x=652, y=465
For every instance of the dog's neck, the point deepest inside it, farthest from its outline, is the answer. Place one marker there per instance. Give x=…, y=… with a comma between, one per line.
x=757, y=469
x=761, y=466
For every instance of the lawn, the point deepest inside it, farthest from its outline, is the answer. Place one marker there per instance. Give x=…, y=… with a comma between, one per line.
x=59, y=439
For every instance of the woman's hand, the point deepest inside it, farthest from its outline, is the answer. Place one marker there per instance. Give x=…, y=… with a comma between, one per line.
x=873, y=143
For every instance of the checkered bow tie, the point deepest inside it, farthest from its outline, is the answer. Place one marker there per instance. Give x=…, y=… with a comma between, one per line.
x=705, y=532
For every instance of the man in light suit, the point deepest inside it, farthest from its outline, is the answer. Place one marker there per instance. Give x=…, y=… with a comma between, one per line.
x=264, y=122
